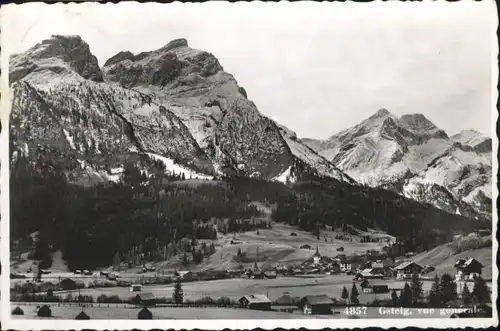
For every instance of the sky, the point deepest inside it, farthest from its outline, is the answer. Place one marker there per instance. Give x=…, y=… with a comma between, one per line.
x=316, y=68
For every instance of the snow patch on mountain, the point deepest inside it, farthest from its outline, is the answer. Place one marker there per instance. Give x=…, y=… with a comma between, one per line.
x=469, y=137
x=171, y=167
x=304, y=153
x=285, y=177
x=69, y=139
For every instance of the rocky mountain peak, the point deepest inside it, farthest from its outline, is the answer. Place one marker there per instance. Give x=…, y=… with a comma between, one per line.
x=382, y=112
x=120, y=56
x=59, y=54
x=417, y=121
x=422, y=127
x=175, y=67
x=176, y=43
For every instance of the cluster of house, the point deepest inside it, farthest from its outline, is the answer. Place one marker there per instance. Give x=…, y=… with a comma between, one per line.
x=467, y=269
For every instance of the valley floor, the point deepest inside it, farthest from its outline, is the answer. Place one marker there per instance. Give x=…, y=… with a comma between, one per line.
x=235, y=288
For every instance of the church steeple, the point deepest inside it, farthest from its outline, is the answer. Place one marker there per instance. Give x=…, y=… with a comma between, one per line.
x=317, y=251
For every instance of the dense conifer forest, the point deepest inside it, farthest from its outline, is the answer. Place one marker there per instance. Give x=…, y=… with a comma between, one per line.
x=148, y=216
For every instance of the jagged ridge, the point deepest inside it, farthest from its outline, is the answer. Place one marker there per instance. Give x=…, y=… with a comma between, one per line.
x=415, y=158
x=175, y=102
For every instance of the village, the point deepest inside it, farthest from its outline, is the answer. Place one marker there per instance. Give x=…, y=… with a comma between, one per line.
x=320, y=286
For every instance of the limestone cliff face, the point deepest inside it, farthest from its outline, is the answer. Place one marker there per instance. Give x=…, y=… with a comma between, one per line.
x=89, y=126
x=174, y=104
x=217, y=111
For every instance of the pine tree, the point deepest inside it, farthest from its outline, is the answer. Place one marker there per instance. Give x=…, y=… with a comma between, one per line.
x=178, y=295
x=116, y=262
x=448, y=288
x=345, y=293
x=38, y=277
x=406, y=299
x=416, y=289
x=466, y=295
x=395, y=299
x=365, y=283
x=435, y=293
x=354, y=295
x=239, y=251
x=481, y=292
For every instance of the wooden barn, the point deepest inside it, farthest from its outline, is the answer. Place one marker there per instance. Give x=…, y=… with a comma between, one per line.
x=255, y=301
x=67, y=284
x=145, y=299
x=317, y=304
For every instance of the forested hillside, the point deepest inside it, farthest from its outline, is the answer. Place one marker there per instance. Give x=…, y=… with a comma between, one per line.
x=148, y=214
x=420, y=226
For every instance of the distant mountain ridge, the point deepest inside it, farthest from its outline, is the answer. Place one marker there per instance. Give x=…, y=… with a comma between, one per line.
x=475, y=139
x=411, y=155
x=174, y=104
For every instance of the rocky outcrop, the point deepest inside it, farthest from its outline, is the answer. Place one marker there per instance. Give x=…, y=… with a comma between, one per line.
x=58, y=54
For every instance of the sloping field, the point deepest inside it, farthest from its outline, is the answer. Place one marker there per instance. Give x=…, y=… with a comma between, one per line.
x=266, y=247
x=58, y=264
x=278, y=246
x=444, y=257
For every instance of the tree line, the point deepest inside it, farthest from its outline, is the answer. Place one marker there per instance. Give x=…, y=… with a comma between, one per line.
x=443, y=293
x=314, y=204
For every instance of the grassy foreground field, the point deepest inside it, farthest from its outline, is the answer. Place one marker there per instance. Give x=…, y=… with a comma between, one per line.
x=130, y=312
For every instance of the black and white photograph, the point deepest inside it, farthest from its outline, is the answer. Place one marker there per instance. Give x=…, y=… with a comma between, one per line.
x=288, y=164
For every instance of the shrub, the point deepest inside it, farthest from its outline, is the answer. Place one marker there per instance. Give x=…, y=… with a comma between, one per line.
x=82, y=316
x=123, y=283
x=28, y=297
x=84, y=298
x=17, y=311
x=103, y=298
x=205, y=300
x=165, y=300
x=44, y=311
x=224, y=302
x=145, y=314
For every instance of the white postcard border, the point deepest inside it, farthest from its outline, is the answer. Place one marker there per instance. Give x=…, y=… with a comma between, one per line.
x=61, y=324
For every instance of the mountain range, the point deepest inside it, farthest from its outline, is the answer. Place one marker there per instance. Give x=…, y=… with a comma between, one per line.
x=175, y=104
x=412, y=156
x=178, y=106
